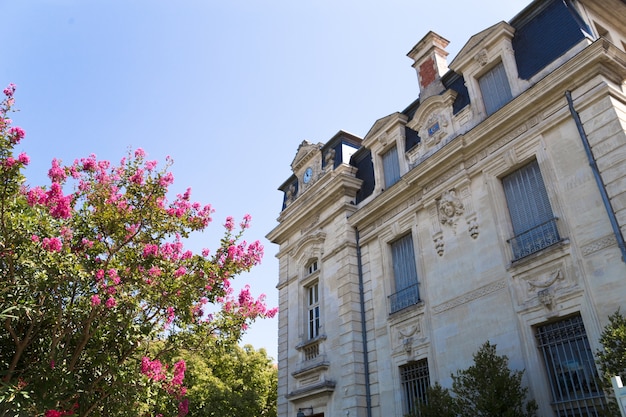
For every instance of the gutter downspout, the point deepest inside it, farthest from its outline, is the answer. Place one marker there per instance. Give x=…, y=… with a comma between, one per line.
x=366, y=362
x=597, y=176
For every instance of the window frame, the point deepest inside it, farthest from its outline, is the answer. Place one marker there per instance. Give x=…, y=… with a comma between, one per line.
x=405, y=277
x=390, y=161
x=495, y=88
x=312, y=267
x=569, y=367
x=414, y=379
x=533, y=222
x=313, y=310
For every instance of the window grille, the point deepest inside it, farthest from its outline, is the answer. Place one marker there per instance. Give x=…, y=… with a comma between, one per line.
x=495, y=88
x=313, y=311
x=415, y=381
x=405, y=274
x=571, y=369
x=534, y=225
x=391, y=167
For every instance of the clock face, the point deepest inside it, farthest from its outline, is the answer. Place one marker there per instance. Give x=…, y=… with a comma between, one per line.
x=307, y=175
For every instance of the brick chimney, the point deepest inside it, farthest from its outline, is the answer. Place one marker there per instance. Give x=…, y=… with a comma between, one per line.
x=429, y=56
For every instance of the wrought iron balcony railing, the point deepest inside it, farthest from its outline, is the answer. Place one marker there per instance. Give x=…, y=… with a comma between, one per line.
x=404, y=298
x=535, y=239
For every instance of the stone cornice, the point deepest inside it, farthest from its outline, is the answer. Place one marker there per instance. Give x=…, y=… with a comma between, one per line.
x=324, y=387
x=515, y=118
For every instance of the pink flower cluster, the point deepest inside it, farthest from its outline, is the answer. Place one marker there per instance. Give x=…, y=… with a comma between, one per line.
x=194, y=213
x=12, y=134
x=56, y=413
x=16, y=134
x=22, y=160
x=242, y=254
x=9, y=90
x=154, y=370
x=59, y=205
x=52, y=244
x=247, y=306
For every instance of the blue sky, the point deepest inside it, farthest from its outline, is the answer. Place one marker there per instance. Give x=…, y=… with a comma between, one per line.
x=228, y=89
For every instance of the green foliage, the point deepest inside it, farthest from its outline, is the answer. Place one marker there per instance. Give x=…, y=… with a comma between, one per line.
x=440, y=403
x=612, y=357
x=490, y=389
x=231, y=381
x=97, y=288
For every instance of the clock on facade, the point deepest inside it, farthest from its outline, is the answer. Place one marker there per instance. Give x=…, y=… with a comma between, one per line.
x=307, y=175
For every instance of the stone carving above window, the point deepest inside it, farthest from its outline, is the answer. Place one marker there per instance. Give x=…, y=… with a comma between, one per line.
x=546, y=285
x=482, y=57
x=408, y=336
x=433, y=122
x=434, y=129
x=450, y=208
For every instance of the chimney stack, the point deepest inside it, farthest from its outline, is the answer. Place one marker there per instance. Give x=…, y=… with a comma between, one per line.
x=429, y=56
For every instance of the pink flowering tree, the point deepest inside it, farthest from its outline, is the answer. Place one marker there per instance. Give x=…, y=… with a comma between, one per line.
x=98, y=290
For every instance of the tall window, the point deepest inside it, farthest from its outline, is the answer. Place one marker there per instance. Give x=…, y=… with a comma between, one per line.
x=534, y=225
x=313, y=311
x=495, y=88
x=404, y=274
x=571, y=368
x=415, y=380
x=391, y=167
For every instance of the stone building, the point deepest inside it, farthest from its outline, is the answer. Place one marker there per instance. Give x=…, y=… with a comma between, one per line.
x=492, y=208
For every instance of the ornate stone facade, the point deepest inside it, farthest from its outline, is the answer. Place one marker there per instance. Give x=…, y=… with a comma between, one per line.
x=357, y=312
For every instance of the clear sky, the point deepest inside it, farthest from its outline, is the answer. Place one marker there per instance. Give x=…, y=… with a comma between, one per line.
x=228, y=89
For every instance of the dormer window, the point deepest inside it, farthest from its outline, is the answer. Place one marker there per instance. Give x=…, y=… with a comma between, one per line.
x=495, y=88
x=391, y=167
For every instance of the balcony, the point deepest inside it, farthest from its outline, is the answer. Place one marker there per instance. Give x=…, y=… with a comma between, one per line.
x=404, y=298
x=534, y=239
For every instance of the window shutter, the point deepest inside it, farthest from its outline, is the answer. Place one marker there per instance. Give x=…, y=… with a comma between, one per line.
x=391, y=167
x=534, y=224
x=495, y=88
x=404, y=269
x=527, y=198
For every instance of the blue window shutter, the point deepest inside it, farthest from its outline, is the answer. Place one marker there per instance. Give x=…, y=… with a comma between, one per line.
x=534, y=224
x=404, y=273
x=404, y=270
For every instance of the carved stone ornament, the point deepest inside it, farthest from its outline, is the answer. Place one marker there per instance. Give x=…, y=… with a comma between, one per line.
x=481, y=57
x=472, y=227
x=439, y=244
x=407, y=335
x=408, y=331
x=408, y=345
x=291, y=193
x=544, y=281
x=434, y=130
x=546, y=298
x=450, y=208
